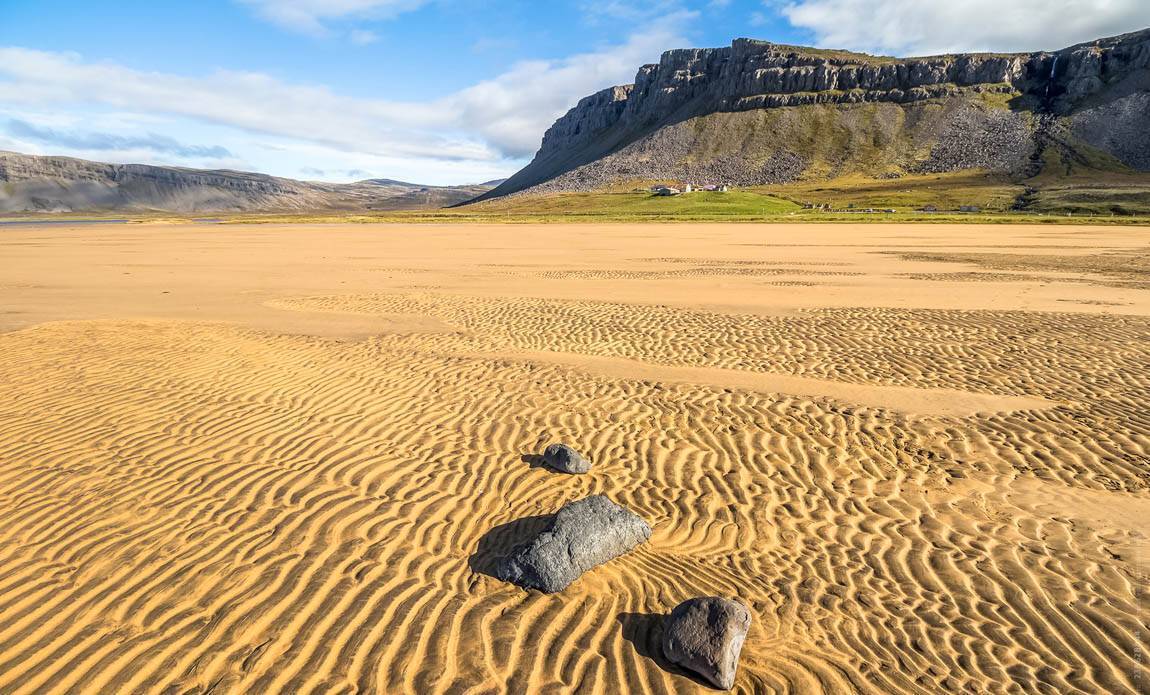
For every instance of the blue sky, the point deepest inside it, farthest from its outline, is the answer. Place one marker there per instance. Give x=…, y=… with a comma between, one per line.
x=435, y=91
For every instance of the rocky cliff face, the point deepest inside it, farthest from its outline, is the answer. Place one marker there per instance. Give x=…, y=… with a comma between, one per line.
x=63, y=184
x=755, y=76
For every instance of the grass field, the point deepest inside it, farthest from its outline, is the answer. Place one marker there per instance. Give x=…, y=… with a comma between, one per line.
x=1112, y=198
x=907, y=194
x=639, y=205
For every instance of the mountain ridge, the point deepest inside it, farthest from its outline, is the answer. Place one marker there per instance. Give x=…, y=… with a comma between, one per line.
x=34, y=183
x=768, y=100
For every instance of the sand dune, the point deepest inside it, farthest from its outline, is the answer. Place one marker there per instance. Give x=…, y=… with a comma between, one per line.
x=215, y=490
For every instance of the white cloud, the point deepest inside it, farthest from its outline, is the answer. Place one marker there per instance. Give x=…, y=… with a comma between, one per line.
x=486, y=129
x=920, y=27
x=250, y=101
x=629, y=10
x=487, y=44
x=312, y=16
x=512, y=110
x=362, y=37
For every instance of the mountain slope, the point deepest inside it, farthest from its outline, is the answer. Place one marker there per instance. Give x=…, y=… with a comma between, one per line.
x=761, y=113
x=30, y=183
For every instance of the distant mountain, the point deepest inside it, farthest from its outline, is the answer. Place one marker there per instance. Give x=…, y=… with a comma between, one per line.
x=31, y=183
x=762, y=113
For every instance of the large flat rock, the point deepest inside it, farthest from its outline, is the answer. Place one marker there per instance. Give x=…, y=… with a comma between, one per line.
x=583, y=535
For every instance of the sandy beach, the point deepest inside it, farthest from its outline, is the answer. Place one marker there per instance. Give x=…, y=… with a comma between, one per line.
x=283, y=458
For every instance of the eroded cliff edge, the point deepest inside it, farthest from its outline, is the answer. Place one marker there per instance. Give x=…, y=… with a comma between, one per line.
x=758, y=112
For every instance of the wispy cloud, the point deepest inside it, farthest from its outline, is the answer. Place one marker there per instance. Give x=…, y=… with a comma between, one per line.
x=362, y=37
x=252, y=102
x=921, y=27
x=489, y=127
x=488, y=44
x=327, y=173
x=631, y=10
x=78, y=140
x=314, y=16
x=503, y=117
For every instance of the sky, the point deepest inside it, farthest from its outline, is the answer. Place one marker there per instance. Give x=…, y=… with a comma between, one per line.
x=430, y=91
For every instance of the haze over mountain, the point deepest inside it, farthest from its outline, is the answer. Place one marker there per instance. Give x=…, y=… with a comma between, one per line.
x=63, y=184
x=762, y=113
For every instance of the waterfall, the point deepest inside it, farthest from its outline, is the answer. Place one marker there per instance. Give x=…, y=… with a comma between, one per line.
x=1053, y=68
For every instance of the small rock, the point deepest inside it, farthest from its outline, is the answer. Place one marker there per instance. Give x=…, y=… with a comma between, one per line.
x=706, y=636
x=565, y=459
x=583, y=535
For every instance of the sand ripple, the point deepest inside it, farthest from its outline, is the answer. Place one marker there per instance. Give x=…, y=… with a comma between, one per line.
x=197, y=508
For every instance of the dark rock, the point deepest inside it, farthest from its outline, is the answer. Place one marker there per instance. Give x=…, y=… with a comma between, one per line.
x=706, y=635
x=565, y=459
x=583, y=535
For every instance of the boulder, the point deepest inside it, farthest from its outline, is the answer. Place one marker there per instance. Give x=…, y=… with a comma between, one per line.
x=583, y=535
x=565, y=459
x=705, y=635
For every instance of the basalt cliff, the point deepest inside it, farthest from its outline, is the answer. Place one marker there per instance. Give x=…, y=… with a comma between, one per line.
x=761, y=113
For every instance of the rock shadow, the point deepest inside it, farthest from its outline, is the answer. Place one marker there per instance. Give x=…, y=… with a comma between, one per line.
x=535, y=461
x=501, y=540
x=645, y=632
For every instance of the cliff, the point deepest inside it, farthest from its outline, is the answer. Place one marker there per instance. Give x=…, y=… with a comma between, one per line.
x=755, y=112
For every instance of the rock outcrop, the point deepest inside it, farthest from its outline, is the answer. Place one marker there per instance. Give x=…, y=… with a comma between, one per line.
x=706, y=635
x=564, y=459
x=704, y=113
x=31, y=183
x=583, y=535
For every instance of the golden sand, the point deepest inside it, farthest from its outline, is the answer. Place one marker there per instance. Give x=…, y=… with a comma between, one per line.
x=279, y=459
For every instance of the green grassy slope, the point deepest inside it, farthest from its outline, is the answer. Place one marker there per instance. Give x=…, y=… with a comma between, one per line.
x=639, y=205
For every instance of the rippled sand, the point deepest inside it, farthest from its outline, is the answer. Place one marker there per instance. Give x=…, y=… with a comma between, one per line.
x=281, y=459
